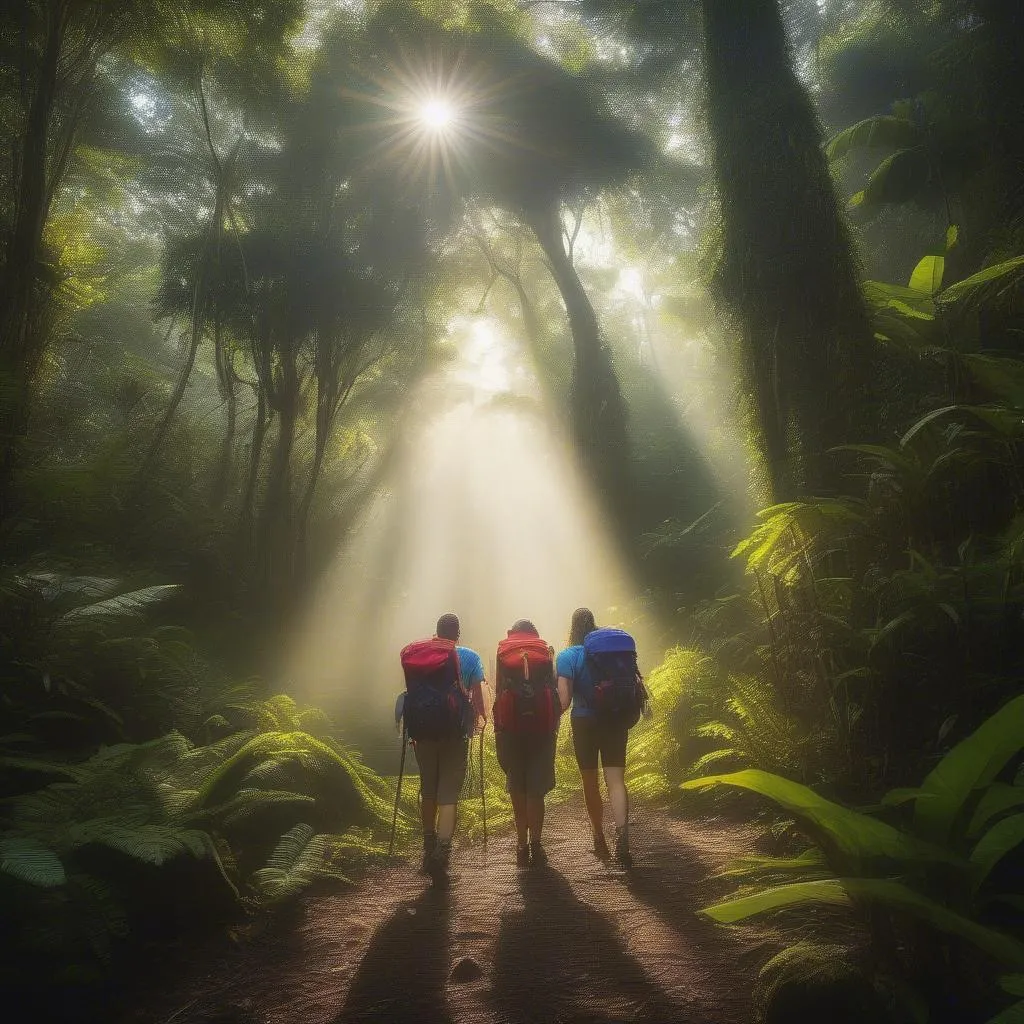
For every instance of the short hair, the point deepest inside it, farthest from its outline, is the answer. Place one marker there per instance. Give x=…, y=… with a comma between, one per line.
x=582, y=624
x=523, y=626
x=448, y=627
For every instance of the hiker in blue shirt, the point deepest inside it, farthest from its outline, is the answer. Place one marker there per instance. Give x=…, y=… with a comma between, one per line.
x=442, y=763
x=594, y=739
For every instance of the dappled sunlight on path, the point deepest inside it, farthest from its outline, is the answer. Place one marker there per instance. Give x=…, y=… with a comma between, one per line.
x=577, y=942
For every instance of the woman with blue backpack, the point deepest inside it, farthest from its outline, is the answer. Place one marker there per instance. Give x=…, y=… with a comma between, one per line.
x=598, y=676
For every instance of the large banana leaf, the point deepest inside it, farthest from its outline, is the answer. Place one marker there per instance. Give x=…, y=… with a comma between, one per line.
x=996, y=843
x=972, y=763
x=999, y=797
x=969, y=286
x=896, y=895
x=855, y=837
x=778, y=897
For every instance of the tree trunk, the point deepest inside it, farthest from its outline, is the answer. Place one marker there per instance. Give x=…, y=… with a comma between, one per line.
x=788, y=271
x=21, y=345
x=259, y=433
x=278, y=542
x=598, y=409
x=226, y=378
x=172, y=407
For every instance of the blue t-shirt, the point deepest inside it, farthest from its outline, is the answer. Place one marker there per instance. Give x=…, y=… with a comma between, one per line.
x=572, y=664
x=471, y=667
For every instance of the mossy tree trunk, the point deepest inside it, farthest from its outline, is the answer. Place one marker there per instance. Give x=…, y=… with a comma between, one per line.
x=788, y=271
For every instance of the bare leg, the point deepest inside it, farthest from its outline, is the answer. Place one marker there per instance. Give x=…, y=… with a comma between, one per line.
x=519, y=812
x=428, y=815
x=618, y=796
x=592, y=798
x=535, y=817
x=445, y=823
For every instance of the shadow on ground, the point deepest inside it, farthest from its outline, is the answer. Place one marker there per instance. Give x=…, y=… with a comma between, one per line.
x=404, y=973
x=537, y=969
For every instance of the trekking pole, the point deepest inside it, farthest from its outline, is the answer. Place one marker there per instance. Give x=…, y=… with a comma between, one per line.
x=483, y=790
x=398, y=793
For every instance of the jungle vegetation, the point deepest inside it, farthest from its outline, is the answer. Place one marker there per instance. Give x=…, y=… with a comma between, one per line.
x=226, y=264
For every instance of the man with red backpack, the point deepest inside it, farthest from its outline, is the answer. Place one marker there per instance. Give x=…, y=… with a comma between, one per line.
x=444, y=705
x=526, y=716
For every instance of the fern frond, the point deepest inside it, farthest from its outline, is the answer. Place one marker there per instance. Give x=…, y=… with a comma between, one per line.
x=25, y=858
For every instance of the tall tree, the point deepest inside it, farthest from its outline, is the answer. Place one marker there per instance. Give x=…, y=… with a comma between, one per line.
x=787, y=266
x=56, y=59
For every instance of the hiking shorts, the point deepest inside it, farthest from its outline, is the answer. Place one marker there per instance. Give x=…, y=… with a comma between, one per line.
x=442, y=768
x=527, y=761
x=591, y=737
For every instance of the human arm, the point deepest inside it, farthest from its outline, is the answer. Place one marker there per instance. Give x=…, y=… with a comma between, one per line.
x=480, y=695
x=564, y=692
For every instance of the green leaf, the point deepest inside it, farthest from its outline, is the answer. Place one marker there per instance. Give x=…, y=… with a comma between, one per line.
x=952, y=236
x=881, y=293
x=822, y=890
x=26, y=858
x=927, y=275
x=133, y=603
x=995, y=844
x=1004, y=948
x=842, y=891
x=896, y=179
x=836, y=827
x=974, y=762
x=999, y=797
x=1011, y=1015
x=1013, y=984
x=969, y=286
x=1004, y=378
x=882, y=130
x=895, y=797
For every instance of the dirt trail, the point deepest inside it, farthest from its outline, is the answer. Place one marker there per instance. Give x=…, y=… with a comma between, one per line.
x=576, y=943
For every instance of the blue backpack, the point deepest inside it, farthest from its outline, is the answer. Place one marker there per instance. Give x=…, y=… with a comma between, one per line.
x=618, y=693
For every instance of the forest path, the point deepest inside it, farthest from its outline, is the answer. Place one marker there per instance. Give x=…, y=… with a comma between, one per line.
x=575, y=942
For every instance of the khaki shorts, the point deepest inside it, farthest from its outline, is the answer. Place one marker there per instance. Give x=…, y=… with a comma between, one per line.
x=442, y=768
x=528, y=762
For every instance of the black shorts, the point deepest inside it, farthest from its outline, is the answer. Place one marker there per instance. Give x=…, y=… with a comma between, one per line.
x=592, y=737
x=527, y=761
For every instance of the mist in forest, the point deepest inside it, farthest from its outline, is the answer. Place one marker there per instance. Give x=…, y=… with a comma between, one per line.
x=486, y=513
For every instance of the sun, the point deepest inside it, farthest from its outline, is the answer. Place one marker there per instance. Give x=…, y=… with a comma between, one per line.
x=437, y=114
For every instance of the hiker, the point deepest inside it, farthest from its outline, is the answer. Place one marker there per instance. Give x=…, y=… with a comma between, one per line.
x=445, y=703
x=597, y=674
x=526, y=717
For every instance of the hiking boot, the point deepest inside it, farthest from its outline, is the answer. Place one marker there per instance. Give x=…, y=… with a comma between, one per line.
x=437, y=862
x=622, y=854
x=429, y=845
x=601, y=851
x=538, y=858
x=522, y=856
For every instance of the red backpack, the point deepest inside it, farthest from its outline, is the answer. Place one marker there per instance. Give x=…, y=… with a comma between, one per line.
x=436, y=704
x=527, y=700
